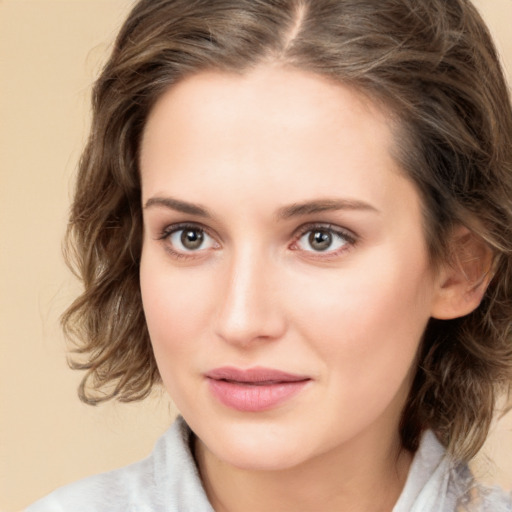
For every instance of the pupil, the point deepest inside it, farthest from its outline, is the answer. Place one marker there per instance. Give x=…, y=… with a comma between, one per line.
x=320, y=240
x=192, y=238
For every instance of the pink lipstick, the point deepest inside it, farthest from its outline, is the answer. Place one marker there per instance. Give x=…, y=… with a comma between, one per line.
x=255, y=389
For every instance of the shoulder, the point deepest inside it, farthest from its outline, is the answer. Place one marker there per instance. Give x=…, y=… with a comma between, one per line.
x=495, y=500
x=166, y=480
x=470, y=495
x=474, y=497
x=436, y=483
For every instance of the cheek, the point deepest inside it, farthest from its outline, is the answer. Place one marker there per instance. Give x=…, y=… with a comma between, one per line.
x=177, y=309
x=366, y=327
x=177, y=306
x=366, y=317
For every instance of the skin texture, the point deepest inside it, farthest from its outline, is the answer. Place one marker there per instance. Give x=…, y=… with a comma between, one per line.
x=256, y=292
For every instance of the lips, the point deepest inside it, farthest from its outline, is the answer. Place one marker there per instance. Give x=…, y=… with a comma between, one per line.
x=254, y=389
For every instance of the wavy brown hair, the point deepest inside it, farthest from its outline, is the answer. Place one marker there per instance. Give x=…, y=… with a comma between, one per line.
x=432, y=64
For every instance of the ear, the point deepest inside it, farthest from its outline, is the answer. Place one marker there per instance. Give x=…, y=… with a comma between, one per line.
x=463, y=279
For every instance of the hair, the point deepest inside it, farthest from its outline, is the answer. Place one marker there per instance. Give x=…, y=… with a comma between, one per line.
x=431, y=63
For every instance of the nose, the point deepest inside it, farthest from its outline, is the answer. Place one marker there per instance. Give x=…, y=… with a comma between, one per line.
x=250, y=310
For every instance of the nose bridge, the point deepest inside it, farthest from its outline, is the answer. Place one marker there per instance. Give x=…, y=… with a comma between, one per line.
x=249, y=310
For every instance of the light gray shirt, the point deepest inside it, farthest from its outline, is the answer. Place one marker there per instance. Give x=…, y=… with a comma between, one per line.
x=168, y=481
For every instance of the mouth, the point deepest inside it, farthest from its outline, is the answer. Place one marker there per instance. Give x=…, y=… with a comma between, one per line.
x=254, y=389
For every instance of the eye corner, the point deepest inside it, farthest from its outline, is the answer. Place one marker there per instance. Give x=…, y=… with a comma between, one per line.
x=335, y=239
x=173, y=237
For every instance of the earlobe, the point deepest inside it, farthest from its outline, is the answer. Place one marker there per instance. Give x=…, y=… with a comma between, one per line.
x=464, y=277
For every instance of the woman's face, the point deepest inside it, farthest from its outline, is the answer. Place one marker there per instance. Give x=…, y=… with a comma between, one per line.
x=284, y=273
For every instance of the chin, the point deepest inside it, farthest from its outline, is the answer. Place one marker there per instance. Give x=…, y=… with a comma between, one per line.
x=261, y=458
x=256, y=446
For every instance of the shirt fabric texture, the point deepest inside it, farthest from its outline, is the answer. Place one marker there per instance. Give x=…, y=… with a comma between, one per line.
x=168, y=481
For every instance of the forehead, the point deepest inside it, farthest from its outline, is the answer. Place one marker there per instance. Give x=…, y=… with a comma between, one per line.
x=298, y=133
x=270, y=95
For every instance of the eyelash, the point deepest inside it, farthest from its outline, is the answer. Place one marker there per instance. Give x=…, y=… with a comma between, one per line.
x=174, y=228
x=349, y=237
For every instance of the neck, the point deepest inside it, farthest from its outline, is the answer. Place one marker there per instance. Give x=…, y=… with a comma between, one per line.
x=368, y=475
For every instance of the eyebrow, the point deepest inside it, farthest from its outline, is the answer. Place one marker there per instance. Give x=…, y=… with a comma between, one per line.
x=283, y=213
x=179, y=206
x=323, y=205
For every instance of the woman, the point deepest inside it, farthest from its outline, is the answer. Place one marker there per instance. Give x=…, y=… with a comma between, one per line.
x=296, y=215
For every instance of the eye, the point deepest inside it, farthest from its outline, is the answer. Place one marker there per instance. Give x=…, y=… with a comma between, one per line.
x=324, y=239
x=188, y=238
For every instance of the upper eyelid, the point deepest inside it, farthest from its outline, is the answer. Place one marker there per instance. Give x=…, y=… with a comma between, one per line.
x=172, y=228
x=164, y=238
x=297, y=234
x=348, y=233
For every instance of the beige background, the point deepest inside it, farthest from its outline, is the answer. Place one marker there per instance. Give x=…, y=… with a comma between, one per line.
x=50, y=52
